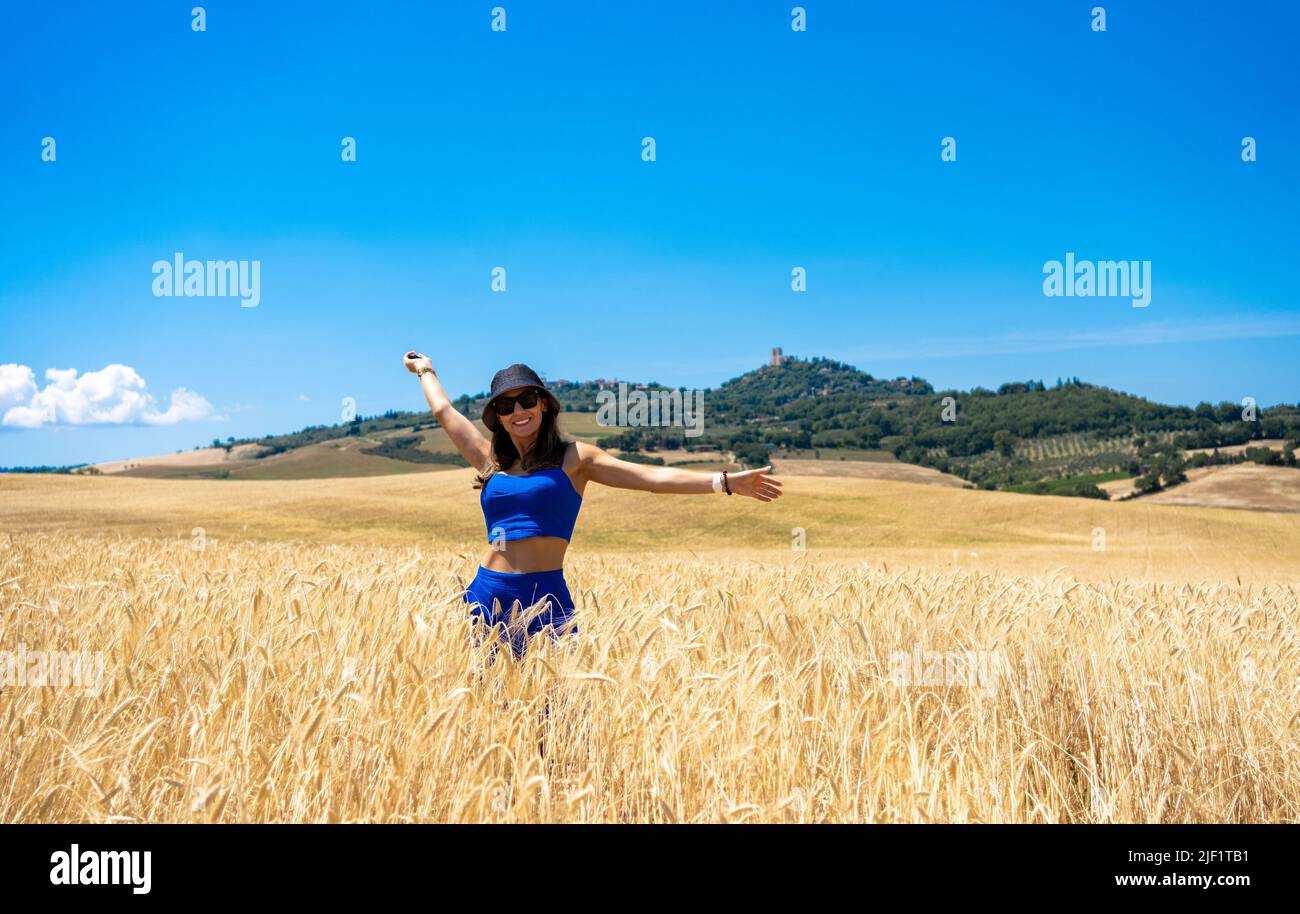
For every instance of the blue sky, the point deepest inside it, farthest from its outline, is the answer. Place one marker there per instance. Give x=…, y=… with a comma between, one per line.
x=522, y=149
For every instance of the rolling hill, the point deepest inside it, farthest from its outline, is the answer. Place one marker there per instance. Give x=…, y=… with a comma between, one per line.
x=823, y=417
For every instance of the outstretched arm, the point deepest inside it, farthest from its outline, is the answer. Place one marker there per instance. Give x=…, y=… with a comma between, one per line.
x=462, y=432
x=606, y=469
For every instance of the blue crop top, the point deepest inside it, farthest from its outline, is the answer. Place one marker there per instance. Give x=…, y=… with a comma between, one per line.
x=543, y=503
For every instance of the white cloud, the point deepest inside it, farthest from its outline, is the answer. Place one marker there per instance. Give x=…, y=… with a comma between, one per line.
x=304, y=398
x=17, y=386
x=114, y=395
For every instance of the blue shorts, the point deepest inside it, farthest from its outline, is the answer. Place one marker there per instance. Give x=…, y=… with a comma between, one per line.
x=508, y=603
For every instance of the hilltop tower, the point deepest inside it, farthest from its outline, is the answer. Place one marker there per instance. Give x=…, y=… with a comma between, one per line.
x=777, y=357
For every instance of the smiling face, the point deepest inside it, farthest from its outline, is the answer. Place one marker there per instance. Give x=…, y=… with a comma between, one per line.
x=523, y=424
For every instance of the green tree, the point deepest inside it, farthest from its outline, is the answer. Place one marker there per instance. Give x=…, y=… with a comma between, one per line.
x=1005, y=442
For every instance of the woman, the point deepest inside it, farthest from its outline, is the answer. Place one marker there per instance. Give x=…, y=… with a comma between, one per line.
x=532, y=484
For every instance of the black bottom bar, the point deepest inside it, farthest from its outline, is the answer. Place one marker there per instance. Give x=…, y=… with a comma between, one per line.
x=306, y=862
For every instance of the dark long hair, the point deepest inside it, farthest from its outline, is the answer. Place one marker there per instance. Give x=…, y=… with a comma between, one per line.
x=547, y=451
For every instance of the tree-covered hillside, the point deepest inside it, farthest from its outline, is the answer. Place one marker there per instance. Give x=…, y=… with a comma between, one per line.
x=1021, y=433
x=981, y=435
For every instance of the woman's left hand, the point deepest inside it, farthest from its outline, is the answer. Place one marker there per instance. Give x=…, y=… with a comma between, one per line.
x=755, y=484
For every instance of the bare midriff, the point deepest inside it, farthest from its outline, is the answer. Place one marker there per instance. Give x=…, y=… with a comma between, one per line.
x=536, y=553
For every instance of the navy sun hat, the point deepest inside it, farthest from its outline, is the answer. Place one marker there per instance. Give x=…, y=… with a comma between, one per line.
x=517, y=375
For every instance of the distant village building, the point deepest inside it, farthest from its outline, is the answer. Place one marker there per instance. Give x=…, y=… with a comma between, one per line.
x=777, y=357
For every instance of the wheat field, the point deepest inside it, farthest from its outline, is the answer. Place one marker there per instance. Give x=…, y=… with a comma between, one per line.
x=297, y=670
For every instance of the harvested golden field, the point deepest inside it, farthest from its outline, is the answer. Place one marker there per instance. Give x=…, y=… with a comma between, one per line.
x=1242, y=485
x=855, y=519
x=315, y=667
x=1275, y=444
x=199, y=457
x=894, y=470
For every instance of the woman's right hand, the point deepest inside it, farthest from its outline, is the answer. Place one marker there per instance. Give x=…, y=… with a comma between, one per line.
x=463, y=433
x=414, y=361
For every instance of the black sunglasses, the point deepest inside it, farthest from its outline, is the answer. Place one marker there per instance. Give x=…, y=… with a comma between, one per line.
x=504, y=406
